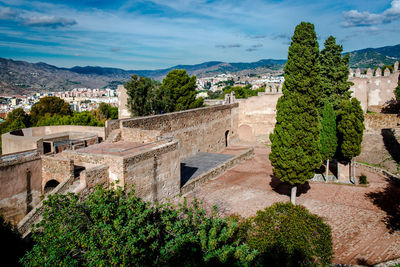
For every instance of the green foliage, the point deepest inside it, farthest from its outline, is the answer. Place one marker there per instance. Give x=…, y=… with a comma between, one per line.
x=215, y=95
x=363, y=179
x=295, y=150
x=113, y=227
x=328, y=136
x=181, y=89
x=350, y=126
x=49, y=105
x=141, y=93
x=243, y=91
x=108, y=112
x=13, y=247
x=334, y=73
x=397, y=90
x=289, y=235
x=79, y=118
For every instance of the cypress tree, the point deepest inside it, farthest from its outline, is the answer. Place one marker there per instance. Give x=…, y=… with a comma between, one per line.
x=334, y=73
x=295, y=151
x=350, y=130
x=328, y=136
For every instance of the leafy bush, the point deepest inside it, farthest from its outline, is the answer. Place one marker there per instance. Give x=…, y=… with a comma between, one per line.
x=113, y=227
x=289, y=235
x=363, y=179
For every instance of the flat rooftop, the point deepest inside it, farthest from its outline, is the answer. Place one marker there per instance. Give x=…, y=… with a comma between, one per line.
x=121, y=148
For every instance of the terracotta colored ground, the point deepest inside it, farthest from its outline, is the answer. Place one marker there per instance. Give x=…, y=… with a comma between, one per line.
x=363, y=219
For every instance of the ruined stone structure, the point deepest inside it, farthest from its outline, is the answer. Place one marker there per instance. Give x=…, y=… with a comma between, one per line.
x=375, y=90
x=51, y=139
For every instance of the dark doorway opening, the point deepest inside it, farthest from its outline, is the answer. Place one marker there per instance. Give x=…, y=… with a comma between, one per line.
x=226, y=138
x=50, y=185
x=46, y=147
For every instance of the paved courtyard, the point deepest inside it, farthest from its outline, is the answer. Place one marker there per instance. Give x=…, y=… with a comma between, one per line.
x=364, y=220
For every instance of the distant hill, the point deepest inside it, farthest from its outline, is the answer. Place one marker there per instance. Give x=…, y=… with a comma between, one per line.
x=20, y=77
x=374, y=57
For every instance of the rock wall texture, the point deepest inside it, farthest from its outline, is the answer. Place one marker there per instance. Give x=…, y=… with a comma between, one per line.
x=20, y=184
x=374, y=90
x=257, y=117
x=55, y=168
x=207, y=129
x=380, y=145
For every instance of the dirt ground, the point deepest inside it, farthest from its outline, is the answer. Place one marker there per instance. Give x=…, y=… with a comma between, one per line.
x=364, y=220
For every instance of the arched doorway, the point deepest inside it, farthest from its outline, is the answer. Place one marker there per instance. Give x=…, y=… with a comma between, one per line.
x=50, y=185
x=226, y=138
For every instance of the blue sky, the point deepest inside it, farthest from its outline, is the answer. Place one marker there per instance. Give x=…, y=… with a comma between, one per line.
x=158, y=33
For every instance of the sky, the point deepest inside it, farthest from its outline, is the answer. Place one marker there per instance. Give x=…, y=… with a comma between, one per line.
x=158, y=34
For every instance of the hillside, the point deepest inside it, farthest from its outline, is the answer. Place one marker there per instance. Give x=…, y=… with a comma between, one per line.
x=20, y=77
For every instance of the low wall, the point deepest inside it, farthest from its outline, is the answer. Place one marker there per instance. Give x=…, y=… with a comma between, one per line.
x=257, y=117
x=203, y=129
x=32, y=138
x=376, y=122
x=97, y=175
x=216, y=171
x=20, y=184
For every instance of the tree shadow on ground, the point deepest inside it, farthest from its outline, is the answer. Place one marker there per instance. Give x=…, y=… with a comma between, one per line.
x=285, y=188
x=388, y=200
x=391, y=144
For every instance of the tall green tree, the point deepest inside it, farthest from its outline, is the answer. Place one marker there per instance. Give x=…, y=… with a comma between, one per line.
x=350, y=126
x=295, y=151
x=328, y=136
x=397, y=90
x=334, y=73
x=182, y=90
x=140, y=94
x=51, y=105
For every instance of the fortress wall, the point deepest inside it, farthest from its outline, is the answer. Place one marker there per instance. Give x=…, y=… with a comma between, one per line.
x=257, y=117
x=56, y=168
x=201, y=129
x=155, y=174
x=376, y=122
x=360, y=91
x=20, y=180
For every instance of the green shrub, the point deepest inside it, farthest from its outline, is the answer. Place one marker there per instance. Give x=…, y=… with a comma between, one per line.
x=289, y=235
x=363, y=179
x=113, y=227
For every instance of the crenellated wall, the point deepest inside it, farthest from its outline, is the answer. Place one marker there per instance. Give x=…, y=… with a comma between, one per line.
x=374, y=90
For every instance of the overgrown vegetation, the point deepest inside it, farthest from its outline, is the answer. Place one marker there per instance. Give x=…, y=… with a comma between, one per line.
x=363, y=179
x=243, y=91
x=177, y=92
x=115, y=227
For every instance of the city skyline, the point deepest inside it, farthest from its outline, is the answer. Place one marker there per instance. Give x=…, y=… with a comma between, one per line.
x=158, y=34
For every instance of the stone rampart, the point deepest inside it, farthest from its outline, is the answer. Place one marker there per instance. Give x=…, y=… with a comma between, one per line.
x=374, y=90
x=20, y=184
x=257, y=117
x=207, y=129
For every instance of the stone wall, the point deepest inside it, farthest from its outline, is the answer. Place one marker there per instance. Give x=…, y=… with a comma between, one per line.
x=374, y=90
x=123, y=111
x=203, y=129
x=56, y=168
x=257, y=117
x=97, y=175
x=32, y=138
x=380, y=140
x=155, y=174
x=20, y=184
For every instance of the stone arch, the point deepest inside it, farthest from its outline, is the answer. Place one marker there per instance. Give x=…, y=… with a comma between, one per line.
x=50, y=185
x=246, y=133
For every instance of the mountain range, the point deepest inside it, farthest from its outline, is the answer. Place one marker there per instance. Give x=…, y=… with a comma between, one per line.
x=20, y=77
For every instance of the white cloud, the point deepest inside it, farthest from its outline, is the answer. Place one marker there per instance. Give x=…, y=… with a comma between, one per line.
x=354, y=18
x=49, y=21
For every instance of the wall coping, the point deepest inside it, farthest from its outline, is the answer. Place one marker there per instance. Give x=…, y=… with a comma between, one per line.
x=172, y=115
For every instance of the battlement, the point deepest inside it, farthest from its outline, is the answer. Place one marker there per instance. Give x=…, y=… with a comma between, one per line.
x=370, y=72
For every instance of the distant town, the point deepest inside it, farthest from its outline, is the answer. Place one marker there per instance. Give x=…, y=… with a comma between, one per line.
x=86, y=99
